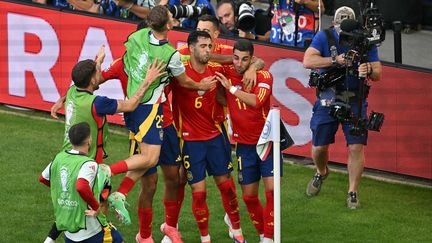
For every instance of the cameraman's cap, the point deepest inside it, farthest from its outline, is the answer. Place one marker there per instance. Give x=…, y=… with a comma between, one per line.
x=343, y=13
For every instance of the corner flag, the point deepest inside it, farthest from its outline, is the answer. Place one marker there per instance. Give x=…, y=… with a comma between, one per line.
x=267, y=136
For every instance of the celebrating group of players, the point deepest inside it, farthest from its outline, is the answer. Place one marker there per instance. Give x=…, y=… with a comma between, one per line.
x=204, y=78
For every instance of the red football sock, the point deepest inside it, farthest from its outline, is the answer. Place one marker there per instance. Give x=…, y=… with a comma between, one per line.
x=255, y=210
x=145, y=216
x=171, y=213
x=268, y=215
x=126, y=185
x=230, y=203
x=119, y=167
x=200, y=211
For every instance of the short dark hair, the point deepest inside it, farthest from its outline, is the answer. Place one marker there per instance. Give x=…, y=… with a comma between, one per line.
x=141, y=25
x=79, y=133
x=158, y=18
x=210, y=18
x=231, y=2
x=244, y=45
x=194, y=35
x=82, y=73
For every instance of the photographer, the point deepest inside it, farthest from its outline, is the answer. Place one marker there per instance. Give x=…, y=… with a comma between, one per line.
x=295, y=21
x=241, y=19
x=323, y=125
x=192, y=9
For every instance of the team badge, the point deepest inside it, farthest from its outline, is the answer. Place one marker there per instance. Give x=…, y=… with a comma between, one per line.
x=201, y=92
x=189, y=176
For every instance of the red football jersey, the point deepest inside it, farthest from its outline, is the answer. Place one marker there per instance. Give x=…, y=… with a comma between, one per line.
x=218, y=49
x=247, y=122
x=220, y=113
x=116, y=71
x=194, y=110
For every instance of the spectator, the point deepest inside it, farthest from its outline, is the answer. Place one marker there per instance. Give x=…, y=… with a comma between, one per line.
x=228, y=16
x=285, y=29
x=129, y=9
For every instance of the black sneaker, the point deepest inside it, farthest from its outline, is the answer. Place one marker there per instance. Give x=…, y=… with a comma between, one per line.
x=314, y=185
x=352, y=200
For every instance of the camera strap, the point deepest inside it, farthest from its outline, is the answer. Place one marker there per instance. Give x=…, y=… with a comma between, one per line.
x=331, y=40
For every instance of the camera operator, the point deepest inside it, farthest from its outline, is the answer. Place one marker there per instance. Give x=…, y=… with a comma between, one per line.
x=323, y=125
x=241, y=19
x=295, y=21
x=190, y=11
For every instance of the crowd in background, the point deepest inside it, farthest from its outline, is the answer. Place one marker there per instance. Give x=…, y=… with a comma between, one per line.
x=287, y=22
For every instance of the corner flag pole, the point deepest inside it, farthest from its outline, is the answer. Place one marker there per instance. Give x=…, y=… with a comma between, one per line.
x=276, y=173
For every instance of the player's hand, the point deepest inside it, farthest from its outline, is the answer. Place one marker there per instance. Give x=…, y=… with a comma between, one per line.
x=93, y=213
x=208, y=83
x=154, y=71
x=223, y=80
x=249, y=78
x=101, y=54
x=364, y=69
x=56, y=107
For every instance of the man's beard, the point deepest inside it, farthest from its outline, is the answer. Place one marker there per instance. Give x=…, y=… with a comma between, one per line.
x=204, y=59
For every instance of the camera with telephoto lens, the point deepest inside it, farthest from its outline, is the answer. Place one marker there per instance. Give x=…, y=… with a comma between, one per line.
x=187, y=11
x=246, y=16
x=333, y=76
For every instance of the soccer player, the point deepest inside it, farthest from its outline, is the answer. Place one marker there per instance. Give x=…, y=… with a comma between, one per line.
x=146, y=121
x=222, y=53
x=77, y=181
x=169, y=161
x=82, y=106
x=248, y=113
x=204, y=145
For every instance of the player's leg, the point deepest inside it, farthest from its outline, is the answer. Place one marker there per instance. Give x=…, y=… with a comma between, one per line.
x=266, y=171
x=194, y=162
x=249, y=175
x=53, y=234
x=145, y=122
x=169, y=161
x=220, y=168
x=145, y=205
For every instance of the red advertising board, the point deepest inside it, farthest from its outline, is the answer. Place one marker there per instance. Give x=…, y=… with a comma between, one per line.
x=38, y=48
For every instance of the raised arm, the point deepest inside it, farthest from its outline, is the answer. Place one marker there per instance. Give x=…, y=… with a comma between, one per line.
x=154, y=71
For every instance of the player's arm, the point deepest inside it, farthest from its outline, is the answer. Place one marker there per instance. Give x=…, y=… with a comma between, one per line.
x=44, y=178
x=57, y=106
x=86, y=176
x=205, y=83
x=178, y=69
x=99, y=60
x=250, y=77
x=256, y=99
x=154, y=71
x=221, y=58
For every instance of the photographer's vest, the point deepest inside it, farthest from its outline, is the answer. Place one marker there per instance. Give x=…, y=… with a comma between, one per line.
x=69, y=207
x=284, y=19
x=140, y=53
x=78, y=108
